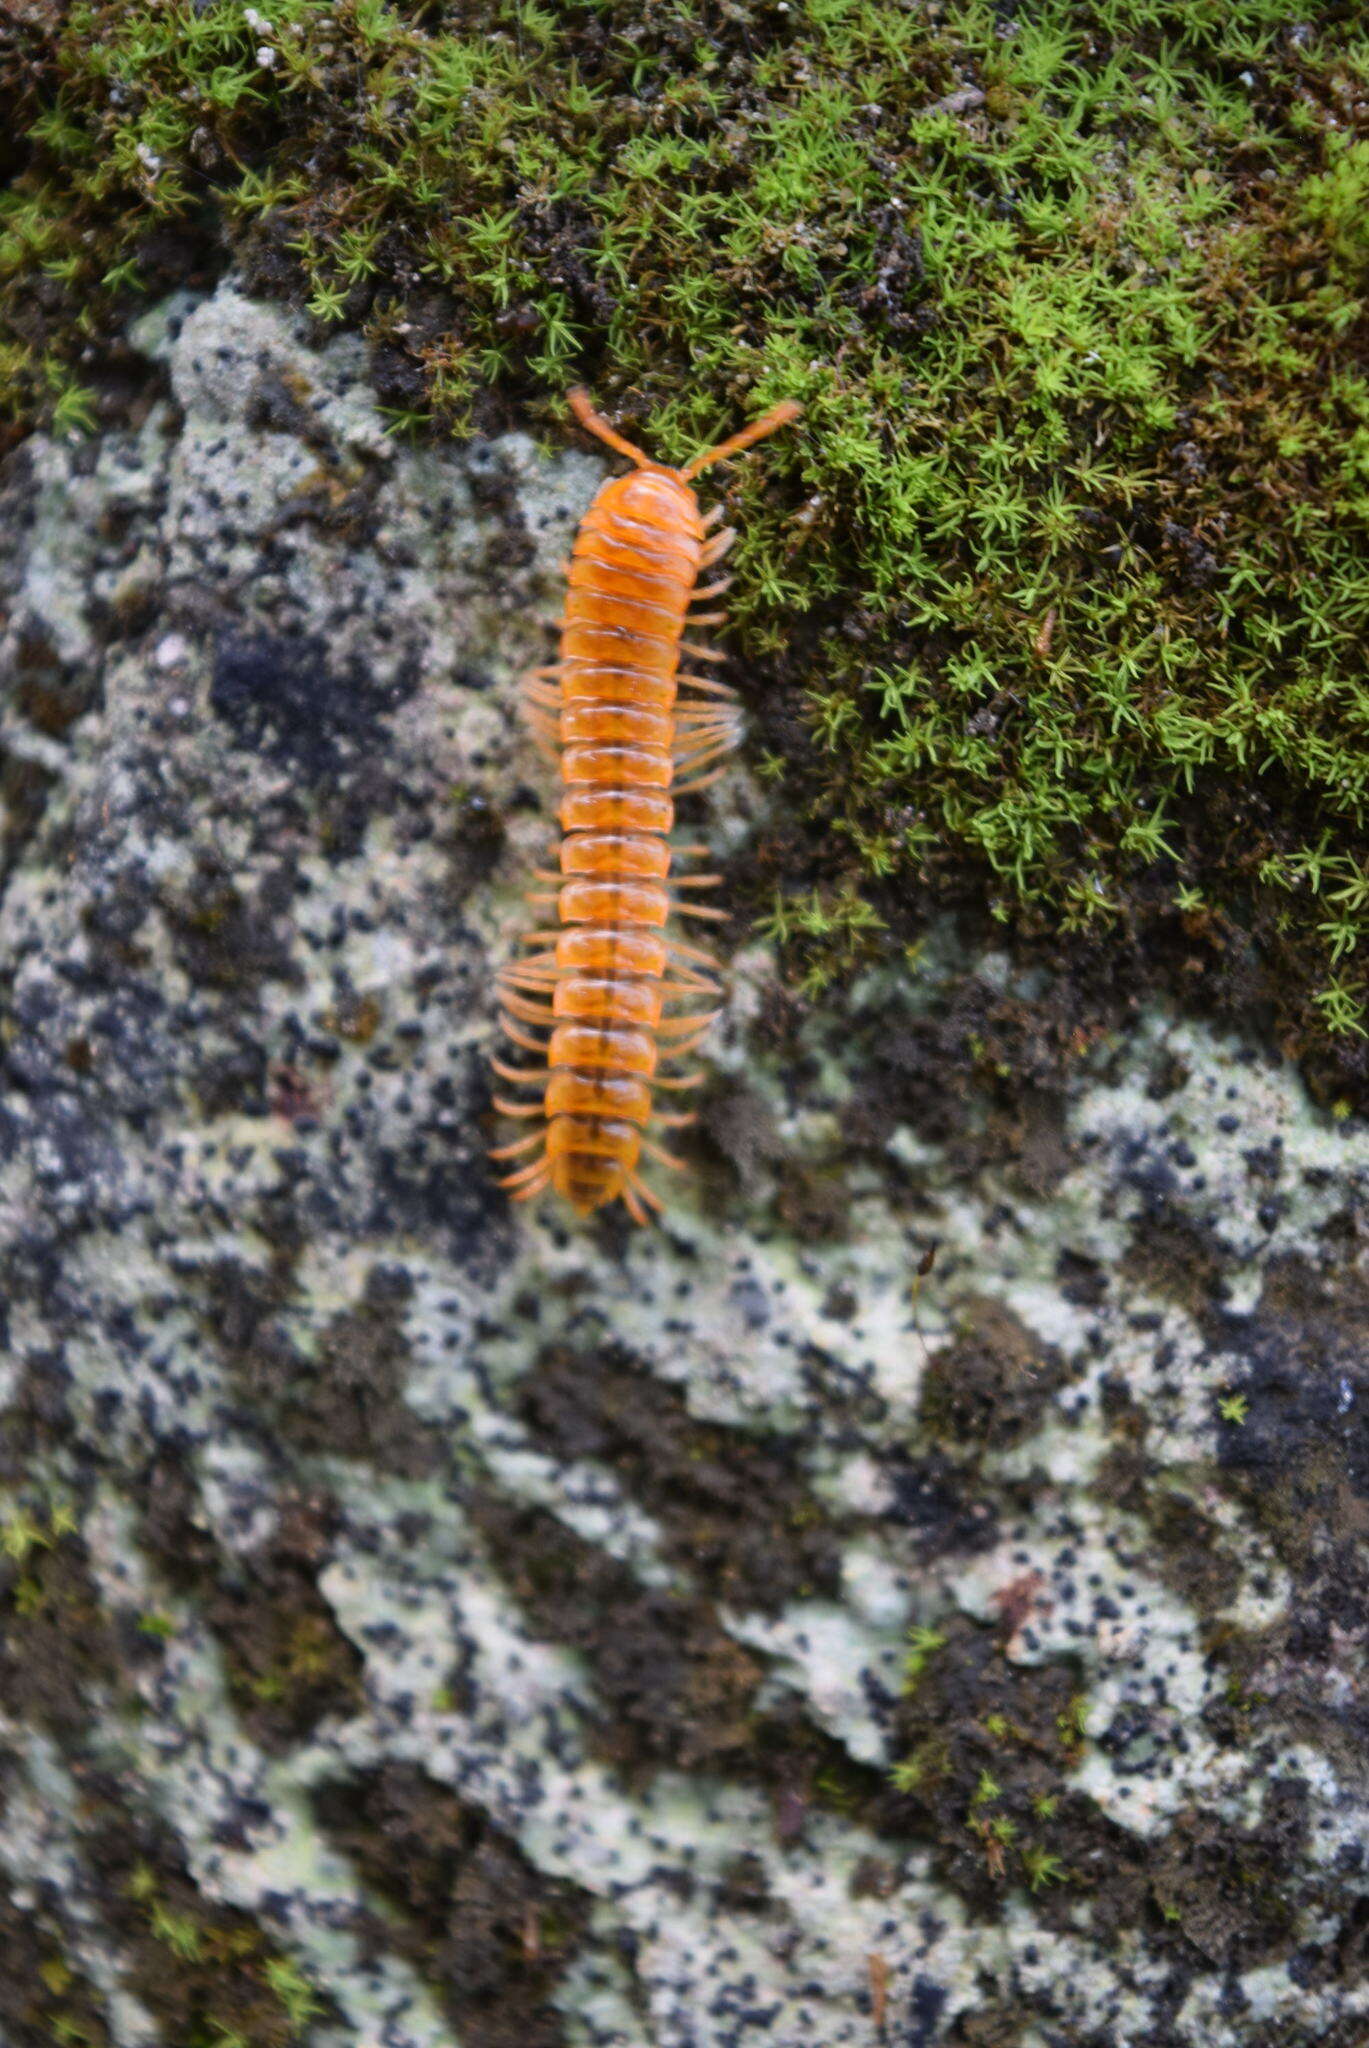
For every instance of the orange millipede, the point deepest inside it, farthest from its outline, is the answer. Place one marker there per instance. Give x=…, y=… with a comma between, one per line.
x=601, y=985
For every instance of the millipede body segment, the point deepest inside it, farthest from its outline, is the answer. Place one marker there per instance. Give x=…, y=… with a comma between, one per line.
x=608, y=996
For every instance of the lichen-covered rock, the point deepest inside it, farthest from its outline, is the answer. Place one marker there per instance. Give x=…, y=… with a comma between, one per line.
x=918, y=1593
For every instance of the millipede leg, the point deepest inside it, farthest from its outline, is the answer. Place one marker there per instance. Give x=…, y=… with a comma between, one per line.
x=676, y=1082
x=707, y=722
x=700, y=716
x=723, y=583
x=702, y=910
x=700, y=1020
x=523, y=1038
x=709, y=683
x=531, y=1013
x=632, y=1203
x=698, y=881
x=675, y=1123
x=702, y=782
x=507, y=1108
x=698, y=739
x=718, y=547
x=688, y=762
x=538, y=983
x=639, y=1187
x=525, y=1174
x=696, y=985
x=702, y=653
x=694, y=953
x=519, y=1145
x=670, y=1159
x=685, y=1046
x=525, y=1074
x=541, y=963
x=533, y=1187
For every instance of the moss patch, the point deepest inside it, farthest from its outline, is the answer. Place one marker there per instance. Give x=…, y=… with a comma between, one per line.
x=208, y=1974
x=991, y=1384
x=1059, y=595
x=343, y=1394
x=677, y=1689
x=490, y=1932
x=736, y=1514
x=43, y=1996
x=287, y=1663
x=58, y=1650
x=986, y=1749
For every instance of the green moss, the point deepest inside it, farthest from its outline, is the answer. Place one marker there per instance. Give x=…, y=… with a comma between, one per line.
x=1066, y=569
x=210, y=1972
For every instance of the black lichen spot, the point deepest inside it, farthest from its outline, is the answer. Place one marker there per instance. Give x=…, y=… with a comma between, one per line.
x=926, y=2003
x=225, y=939
x=475, y=842
x=1298, y=1460
x=345, y=1395
x=282, y=696
x=933, y=1502
x=437, y=1183
x=488, y=1931
x=1300, y=1456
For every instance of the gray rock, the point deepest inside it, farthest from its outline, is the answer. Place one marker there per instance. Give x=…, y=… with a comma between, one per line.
x=499, y=1625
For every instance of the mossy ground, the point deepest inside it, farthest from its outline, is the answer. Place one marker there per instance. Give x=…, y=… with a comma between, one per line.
x=1058, y=597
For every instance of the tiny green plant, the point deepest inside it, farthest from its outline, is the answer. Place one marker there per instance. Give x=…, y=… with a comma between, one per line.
x=923, y=1644
x=295, y=1992
x=1041, y=1868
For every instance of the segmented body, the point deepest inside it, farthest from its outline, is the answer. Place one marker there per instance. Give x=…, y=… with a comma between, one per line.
x=606, y=984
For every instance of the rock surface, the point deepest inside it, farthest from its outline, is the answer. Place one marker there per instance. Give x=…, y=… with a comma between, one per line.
x=431, y=1626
